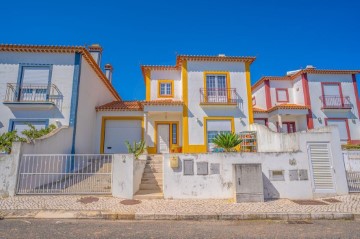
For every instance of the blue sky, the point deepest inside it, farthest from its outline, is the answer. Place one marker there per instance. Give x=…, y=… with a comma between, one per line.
x=283, y=35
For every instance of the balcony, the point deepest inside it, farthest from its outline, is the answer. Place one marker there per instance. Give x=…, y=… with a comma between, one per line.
x=221, y=96
x=332, y=102
x=35, y=95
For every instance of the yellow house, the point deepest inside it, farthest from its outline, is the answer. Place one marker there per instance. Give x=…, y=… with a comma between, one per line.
x=186, y=106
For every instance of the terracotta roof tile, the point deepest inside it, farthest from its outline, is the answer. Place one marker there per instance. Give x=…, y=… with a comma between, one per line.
x=163, y=102
x=181, y=58
x=258, y=110
x=281, y=107
x=121, y=106
x=135, y=105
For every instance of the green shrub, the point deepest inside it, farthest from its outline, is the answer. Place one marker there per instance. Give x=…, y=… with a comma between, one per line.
x=227, y=141
x=137, y=149
x=7, y=139
x=33, y=133
x=351, y=146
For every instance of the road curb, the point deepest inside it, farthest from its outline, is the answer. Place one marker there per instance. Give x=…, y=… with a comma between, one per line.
x=68, y=214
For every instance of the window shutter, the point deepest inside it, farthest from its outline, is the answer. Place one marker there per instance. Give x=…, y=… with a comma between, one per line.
x=282, y=95
x=218, y=125
x=331, y=90
x=35, y=75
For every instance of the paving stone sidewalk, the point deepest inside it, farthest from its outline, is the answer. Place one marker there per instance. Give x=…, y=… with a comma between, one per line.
x=110, y=205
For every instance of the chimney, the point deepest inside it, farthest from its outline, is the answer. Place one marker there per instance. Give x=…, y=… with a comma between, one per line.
x=108, y=72
x=96, y=51
x=310, y=67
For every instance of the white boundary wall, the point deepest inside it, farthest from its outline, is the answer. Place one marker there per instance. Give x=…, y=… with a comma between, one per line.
x=9, y=164
x=285, y=149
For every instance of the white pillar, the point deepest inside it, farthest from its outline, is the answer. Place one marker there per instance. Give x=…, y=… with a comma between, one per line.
x=280, y=122
x=123, y=176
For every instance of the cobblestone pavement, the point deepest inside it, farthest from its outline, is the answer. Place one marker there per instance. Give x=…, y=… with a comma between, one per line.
x=347, y=204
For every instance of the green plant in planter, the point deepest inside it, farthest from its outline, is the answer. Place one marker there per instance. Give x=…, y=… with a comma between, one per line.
x=32, y=133
x=227, y=141
x=7, y=139
x=137, y=149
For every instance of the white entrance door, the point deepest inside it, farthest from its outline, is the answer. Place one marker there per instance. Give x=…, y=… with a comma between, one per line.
x=163, y=140
x=321, y=168
x=119, y=131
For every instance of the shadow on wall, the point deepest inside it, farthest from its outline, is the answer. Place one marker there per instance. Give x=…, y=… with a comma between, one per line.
x=270, y=191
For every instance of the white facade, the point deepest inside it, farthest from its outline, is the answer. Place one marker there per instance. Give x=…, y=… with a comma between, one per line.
x=311, y=107
x=45, y=85
x=62, y=76
x=181, y=100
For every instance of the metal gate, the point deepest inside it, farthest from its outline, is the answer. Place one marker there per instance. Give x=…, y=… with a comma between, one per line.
x=65, y=174
x=352, y=166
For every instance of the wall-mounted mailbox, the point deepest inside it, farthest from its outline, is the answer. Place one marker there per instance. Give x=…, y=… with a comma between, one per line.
x=202, y=168
x=188, y=167
x=174, y=162
x=214, y=168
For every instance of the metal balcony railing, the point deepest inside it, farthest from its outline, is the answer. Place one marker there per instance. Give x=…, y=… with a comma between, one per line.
x=218, y=96
x=335, y=102
x=32, y=93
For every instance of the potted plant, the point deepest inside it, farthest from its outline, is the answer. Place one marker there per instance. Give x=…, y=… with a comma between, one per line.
x=227, y=141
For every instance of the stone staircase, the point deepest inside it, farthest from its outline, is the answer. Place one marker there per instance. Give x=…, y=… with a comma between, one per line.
x=152, y=179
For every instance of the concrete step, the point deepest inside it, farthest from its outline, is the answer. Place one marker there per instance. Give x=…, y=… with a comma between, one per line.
x=153, y=170
x=152, y=180
x=152, y=175
x=148, y=194
x=150, y=187
x=155, y=163
x=155, y=157
x=151, y=165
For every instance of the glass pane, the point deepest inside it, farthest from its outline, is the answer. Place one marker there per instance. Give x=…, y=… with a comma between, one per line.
x=168, y=89
x=221, y=81
x=174, y=134
x=162, y=89
x=211, y=135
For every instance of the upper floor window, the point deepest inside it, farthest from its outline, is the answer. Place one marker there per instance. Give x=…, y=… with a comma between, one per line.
x=253, y=101
x=166, y=89
x=282, y=95
x=217, y=88
x=34, y=83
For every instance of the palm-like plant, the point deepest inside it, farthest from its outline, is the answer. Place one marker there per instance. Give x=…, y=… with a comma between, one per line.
x=137, y=149
x=227, y=141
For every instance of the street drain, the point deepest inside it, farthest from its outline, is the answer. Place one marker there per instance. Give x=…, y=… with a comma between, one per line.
x=299, y=222
x=86, y=200
x=309, y=202
x=130, y=202
x=331, y=200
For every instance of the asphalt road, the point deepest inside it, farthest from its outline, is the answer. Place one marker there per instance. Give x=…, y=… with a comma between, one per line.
x=177, y=229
